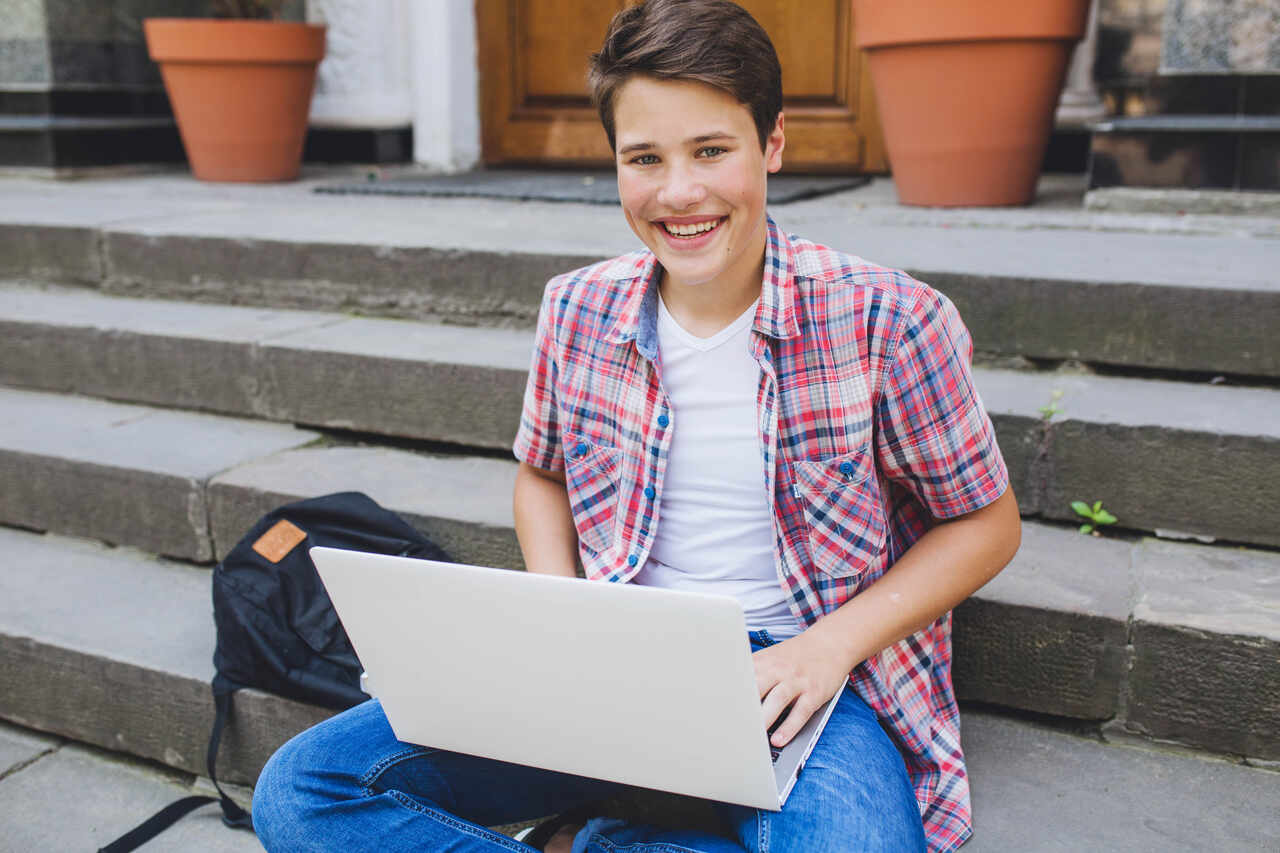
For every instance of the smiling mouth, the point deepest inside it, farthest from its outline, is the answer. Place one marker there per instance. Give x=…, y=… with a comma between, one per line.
x=692, y=230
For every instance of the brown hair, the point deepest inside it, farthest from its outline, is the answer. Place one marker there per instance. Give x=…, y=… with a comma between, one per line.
x=715, y=42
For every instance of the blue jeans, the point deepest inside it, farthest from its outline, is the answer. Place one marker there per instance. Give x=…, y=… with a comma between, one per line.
x=347, y=784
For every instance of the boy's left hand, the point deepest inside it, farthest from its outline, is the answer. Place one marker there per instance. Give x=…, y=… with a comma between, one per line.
x=805, y=669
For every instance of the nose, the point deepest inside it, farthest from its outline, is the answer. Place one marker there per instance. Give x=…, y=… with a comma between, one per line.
x=681, y=188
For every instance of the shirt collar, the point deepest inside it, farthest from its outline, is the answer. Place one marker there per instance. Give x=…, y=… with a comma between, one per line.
x=775, y=314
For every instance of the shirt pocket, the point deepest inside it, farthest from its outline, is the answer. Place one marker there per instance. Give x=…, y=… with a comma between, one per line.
x=842, y=510
x=591, y=475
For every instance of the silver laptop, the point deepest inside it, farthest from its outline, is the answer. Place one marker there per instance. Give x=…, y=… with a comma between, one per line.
x=630, y=684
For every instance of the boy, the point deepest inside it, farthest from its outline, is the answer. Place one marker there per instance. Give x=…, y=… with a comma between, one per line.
x=731, y=410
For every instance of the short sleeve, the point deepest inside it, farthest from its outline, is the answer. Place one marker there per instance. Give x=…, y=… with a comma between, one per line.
x=538, y=438
x=933, y=434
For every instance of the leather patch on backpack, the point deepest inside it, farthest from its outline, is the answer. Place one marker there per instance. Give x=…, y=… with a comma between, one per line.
x=279, y=540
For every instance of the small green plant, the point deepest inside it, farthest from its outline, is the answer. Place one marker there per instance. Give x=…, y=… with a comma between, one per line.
x=1096, y=514
x=1047, y=412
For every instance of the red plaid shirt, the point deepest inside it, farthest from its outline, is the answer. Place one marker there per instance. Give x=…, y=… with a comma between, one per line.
x=870, y=429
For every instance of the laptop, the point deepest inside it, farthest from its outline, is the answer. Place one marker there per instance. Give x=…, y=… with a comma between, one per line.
x=631, y=684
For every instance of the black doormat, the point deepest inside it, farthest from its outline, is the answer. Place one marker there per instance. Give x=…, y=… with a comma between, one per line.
x=591, y=187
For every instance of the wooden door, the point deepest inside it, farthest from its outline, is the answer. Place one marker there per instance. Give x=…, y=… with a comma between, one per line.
x=535, y=109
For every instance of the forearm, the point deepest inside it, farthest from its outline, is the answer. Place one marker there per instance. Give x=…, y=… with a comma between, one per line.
x=942, y=569
x=544, y=524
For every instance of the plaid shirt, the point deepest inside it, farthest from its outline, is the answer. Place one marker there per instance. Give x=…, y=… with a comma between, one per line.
x=870, y=429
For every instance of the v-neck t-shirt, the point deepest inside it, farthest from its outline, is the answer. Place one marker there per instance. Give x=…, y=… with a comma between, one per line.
x=715, y=531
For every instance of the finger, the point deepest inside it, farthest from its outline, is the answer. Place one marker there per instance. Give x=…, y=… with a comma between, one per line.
x=766, y=676
x=775, y=703
x=801, y=711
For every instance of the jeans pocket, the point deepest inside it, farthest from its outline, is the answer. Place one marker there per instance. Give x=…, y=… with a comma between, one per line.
x=592, y=472
x=843, y=513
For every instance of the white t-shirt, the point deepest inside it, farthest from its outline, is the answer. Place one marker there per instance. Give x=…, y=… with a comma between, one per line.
x=715, y=533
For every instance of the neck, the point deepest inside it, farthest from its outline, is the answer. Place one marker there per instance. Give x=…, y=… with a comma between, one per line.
x=706, y=308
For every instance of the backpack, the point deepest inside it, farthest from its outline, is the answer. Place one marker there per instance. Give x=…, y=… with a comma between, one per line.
x=277, y=629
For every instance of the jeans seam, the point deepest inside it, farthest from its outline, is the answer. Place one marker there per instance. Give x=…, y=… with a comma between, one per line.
x=462, y=826
x=389, y=761
x=645, y=846
x=762, y=831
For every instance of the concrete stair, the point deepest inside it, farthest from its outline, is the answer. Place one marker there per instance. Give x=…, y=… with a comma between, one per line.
x=1180, y=456
x=248, y=376
x=1015, y=768
x=79, y=637
x=1057, y=632
x=1170, y=293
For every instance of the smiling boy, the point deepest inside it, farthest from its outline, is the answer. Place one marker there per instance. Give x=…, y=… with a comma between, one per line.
x=731, y=410
x=779, y=422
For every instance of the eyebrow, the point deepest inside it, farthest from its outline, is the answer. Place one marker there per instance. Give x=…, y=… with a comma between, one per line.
x=697, y=140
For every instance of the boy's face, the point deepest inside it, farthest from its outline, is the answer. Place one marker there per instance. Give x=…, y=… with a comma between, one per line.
x=692, y=177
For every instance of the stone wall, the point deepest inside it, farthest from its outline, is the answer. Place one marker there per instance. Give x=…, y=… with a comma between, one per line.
x=1175, y=57
x=1221, y=37
x=87, y=44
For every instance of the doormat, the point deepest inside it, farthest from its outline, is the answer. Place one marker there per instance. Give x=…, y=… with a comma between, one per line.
x=594, y=187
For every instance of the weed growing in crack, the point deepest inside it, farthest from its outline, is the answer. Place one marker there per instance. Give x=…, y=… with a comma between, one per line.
x=1096, y=514
x=1047, y=412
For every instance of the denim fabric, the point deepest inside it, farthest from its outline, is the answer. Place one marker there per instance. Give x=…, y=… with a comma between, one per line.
x=347, y=784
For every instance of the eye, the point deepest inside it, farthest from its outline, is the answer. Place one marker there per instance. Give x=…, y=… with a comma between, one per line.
x=711, y=151
x=644, y=160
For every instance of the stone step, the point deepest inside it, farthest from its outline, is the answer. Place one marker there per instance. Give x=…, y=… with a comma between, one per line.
x=393, y=377
x=1101, y=796
x=1046, y=284
x=125, y=474
x=1183, y=457
x=1206, y=151
x=113, y=647
x=112, y=792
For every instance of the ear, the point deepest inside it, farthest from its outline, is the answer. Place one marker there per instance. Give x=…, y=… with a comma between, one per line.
x=773, y=146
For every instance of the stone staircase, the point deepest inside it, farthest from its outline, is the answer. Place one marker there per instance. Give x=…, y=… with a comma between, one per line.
x=146, y=422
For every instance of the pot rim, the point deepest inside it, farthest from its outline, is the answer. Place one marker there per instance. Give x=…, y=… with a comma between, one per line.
x=879, y=24
x=233, y=40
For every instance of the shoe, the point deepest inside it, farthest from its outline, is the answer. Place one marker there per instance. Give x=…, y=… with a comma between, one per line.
x=538, y=835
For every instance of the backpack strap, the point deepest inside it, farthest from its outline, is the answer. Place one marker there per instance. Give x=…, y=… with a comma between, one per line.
x=232, y=814
x=156, y=824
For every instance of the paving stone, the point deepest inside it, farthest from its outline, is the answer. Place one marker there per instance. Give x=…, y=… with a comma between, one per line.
x=125, y=474
x=1206, y=635
x=110, y=797
x=462, y=504
x=1049, y=633
x=1036, y=789
x=19, y=747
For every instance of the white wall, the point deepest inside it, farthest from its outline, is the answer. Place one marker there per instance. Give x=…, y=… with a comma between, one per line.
x=392, y=63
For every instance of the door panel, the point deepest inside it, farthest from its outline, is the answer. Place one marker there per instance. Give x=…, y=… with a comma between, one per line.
x=535, y=107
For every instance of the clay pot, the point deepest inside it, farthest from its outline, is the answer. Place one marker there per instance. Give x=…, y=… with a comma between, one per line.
x=967, y=91
x=241, y=92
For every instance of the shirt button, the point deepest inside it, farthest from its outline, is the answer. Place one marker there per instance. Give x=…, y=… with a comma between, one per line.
x=846, y=468
x=650, y=492
x=663, y=420
x=632, y=560
x=580, y=450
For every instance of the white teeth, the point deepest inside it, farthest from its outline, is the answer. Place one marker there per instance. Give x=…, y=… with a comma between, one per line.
x=690, y=230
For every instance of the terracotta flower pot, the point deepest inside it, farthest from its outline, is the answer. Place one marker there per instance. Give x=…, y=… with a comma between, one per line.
x=967, y=91
x=241, y=92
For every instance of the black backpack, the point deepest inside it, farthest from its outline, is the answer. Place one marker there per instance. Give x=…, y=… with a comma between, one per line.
x=277, y=629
